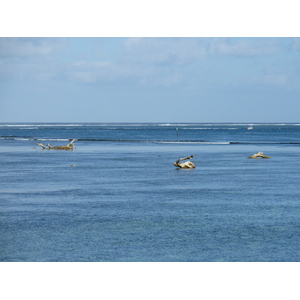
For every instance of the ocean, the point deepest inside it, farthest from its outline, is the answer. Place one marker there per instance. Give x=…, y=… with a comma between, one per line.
x=117, y=197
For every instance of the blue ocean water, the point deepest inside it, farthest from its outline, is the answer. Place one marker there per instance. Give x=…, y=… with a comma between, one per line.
x=117, y=196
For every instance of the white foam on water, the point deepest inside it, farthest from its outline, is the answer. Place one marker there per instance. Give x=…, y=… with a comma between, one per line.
x=191, y=142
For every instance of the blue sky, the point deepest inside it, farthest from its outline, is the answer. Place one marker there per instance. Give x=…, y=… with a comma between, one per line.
x=150, y=79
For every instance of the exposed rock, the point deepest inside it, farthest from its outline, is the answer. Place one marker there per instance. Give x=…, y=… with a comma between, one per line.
x=184, y=165
x=70, y=146
x=259, y=155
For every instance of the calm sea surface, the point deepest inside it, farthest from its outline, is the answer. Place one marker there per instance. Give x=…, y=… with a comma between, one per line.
x=118, y=197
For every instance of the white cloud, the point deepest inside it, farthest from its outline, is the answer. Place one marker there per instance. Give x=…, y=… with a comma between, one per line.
x=23, y=47
x=275, y=79
x=181, y=51
x=167, y=62
x=37, y=68
x=176, y=51
x=97, y=71
x=243, y=46
x=184, y=61
x=30, y=58
x=86, y=65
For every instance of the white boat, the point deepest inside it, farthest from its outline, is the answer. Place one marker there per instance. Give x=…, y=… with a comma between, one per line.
x=249, y=127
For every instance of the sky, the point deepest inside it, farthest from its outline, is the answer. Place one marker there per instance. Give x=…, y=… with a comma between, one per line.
x=149, y=79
